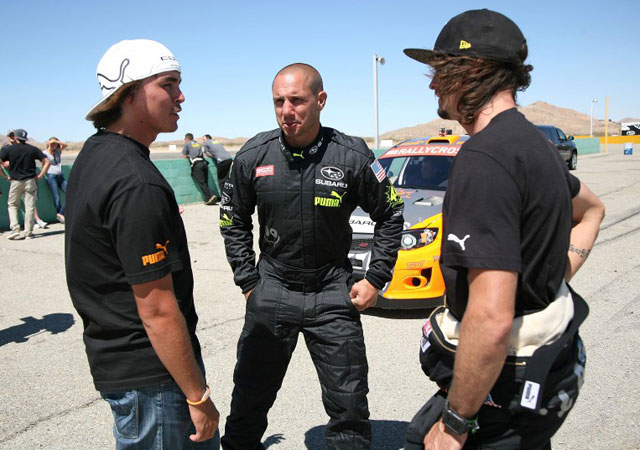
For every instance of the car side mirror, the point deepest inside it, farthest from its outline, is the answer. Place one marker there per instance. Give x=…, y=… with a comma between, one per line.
x=571, y=138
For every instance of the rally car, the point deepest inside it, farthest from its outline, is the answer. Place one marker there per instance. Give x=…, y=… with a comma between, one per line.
x=419, y=171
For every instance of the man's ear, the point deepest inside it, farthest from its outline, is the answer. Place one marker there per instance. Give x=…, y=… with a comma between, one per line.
x=322, y=100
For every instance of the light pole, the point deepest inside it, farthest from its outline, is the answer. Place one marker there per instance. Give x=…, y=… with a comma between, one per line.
x=593, y=100
x=376, y=59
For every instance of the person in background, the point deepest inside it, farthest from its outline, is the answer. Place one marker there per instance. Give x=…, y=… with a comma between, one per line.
x=221, y=157
x=39, y=223
x=55, y=177
x=194, y=152
x=22, y=159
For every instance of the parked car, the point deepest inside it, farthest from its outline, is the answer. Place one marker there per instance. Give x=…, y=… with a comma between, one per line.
x=565, y=145
x=419, y=171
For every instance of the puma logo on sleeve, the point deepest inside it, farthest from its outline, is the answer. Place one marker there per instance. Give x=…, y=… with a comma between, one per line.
x=457, y=240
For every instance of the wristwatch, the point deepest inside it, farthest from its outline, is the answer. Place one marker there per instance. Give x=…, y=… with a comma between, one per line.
x=456, y=422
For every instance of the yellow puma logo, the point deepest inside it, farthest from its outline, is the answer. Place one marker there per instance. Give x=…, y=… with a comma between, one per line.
x=464, y=45
x=336, y=195
x=299, y=155
x=225, y=221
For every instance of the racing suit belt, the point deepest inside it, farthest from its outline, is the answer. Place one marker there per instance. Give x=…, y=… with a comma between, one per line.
x=302, y=280
x=528, y=332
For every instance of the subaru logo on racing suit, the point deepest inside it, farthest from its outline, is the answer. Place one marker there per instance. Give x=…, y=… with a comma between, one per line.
x=332, y=173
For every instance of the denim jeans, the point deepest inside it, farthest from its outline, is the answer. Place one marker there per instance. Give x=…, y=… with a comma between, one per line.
x=57, y=182
x=155, y=417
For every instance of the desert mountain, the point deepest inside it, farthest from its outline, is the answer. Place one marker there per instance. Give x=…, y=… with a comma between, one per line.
x=540, y=113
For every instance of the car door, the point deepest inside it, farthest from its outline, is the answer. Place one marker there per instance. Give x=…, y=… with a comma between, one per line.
x=563, y=144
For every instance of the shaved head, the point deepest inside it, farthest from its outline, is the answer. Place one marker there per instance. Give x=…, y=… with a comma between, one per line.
x=315, y=80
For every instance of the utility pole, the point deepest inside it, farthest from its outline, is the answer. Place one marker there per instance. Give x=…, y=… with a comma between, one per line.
x=376, y=60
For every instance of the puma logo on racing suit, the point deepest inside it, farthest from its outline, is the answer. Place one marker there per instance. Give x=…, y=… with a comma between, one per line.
x=329, y=202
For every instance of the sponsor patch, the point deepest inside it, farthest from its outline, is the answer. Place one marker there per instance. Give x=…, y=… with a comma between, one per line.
x=339, y=184
x=225, y=199
x=378, y=171
x=392, y=197
x=334, y=201
x=225, y=221
x=530, y=395
x=426, y=331
x=158, y=256
x=332, y=173
x=265, y=171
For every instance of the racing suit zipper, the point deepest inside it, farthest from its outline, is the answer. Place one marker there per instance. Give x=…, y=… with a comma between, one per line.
x=301, y=180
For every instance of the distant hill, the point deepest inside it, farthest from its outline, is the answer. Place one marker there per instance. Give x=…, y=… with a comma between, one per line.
x=540, y=113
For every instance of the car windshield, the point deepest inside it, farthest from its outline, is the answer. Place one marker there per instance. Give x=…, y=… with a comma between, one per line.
x=418, y=172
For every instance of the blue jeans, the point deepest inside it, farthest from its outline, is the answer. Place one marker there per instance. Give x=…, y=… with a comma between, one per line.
x=57, y=182
x=155, y=417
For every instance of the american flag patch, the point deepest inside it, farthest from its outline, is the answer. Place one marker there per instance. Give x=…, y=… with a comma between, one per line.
x=378, y=171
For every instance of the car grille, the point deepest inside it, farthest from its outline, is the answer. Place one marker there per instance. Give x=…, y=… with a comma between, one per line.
x=361, y=245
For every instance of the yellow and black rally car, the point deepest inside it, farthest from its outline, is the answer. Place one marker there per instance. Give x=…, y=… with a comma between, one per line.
x=419, y=171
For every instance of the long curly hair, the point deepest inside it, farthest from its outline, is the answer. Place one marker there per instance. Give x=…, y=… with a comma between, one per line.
x=478, y=80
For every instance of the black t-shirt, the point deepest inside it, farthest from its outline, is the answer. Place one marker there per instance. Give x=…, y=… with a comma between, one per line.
x=508, y=207
x=22, y=159
x=122, y=228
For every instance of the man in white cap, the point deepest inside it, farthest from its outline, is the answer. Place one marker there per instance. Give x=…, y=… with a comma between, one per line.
x=22, y=159
x=127, y=261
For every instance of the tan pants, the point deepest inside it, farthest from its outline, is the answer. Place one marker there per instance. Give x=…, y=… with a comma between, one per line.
x=18, y=188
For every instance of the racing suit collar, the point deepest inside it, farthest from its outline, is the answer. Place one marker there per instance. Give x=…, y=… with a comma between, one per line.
x=295, y=154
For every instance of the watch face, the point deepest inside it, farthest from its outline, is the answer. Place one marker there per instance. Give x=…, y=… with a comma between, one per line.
x=454, y=422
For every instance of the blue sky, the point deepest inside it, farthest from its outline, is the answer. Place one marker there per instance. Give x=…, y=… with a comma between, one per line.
x=230, y=51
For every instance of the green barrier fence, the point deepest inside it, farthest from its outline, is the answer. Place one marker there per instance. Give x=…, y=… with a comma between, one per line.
x=587, y=146
x=176, y=171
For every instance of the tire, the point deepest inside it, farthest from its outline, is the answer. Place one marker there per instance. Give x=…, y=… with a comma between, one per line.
x=573, y=161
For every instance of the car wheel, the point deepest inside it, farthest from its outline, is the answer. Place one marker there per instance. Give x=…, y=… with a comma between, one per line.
x=573, y=161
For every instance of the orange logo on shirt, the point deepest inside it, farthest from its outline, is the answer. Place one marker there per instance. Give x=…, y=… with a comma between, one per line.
x=157, y=256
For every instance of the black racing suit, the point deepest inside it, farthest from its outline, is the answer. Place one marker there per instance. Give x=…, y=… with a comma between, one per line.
x=304, y=199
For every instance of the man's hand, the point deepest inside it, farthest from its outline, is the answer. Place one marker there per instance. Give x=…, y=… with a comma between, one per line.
x=205, y=418
x=246, y=296
x=363, y=295
x=439, y=437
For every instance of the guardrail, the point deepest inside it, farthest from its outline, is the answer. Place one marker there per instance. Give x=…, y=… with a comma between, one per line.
x=176, y=171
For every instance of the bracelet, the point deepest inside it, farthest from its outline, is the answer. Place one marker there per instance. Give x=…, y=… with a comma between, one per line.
x=204, y=398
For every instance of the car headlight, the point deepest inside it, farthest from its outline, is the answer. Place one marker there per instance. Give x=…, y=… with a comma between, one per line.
x=412, y=239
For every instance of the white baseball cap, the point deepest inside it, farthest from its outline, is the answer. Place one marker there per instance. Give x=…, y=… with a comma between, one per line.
x=131, y=60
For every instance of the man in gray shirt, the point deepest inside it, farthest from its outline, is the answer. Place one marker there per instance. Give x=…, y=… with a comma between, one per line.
x=220, y=156
x=199, y=167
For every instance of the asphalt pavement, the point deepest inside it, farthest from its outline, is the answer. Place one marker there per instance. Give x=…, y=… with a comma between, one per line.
x=47, y=399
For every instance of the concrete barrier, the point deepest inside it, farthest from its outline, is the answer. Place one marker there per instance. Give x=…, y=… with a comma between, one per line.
x=176, y=171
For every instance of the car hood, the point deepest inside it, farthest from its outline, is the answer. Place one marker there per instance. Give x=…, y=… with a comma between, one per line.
x=419, y=204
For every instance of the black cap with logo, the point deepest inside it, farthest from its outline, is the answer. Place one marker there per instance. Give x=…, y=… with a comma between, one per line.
x=20, y=134
x=479, y=33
